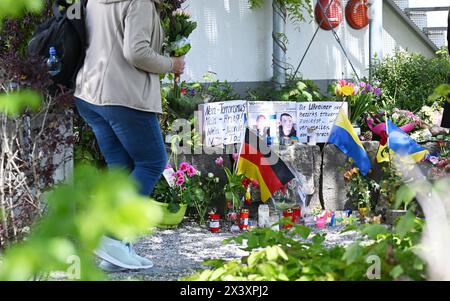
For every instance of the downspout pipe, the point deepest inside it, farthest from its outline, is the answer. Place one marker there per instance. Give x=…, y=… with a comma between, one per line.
x=375, y=32
x=279, y=44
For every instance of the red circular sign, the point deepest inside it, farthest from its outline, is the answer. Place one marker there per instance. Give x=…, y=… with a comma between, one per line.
x=333, y=16
x=357, y=13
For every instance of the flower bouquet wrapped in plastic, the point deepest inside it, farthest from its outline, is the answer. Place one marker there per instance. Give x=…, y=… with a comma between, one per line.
x=178, y=27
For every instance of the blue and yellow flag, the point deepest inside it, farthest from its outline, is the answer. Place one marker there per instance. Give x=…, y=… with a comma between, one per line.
x=402, y=145
x=344, y=137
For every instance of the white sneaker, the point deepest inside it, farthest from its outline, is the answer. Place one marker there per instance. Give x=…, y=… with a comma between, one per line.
x=109, y=267
x=118, y=254
x=145, y=263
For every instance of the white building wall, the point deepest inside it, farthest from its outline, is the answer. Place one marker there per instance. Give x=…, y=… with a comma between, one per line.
x=397, y=34
x=236, y=43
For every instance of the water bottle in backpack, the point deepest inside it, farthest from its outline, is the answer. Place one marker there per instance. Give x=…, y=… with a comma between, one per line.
x=53, y=63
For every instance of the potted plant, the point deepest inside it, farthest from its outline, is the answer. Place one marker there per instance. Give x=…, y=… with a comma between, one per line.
x=181, y=189
x=389, y=186
x=234, y=188
x=360, y=191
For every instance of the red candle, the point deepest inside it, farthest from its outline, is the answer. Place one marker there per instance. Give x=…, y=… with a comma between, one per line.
x=214, y=222
x=243, y=219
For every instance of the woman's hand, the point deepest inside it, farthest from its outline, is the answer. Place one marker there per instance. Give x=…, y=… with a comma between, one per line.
x=178, y=64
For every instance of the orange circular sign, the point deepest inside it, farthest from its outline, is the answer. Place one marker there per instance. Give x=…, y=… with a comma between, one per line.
x=357, y=13
x=333, y=16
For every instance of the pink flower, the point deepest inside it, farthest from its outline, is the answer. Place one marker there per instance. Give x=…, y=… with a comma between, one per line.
x=191, y=171
x=219, y=161
x=434, y=160
x=342, y=82
x=178, y=174
x=235, y=156
x=255, y=183
x=184, y=166
x=168, y=166
x=180, y=181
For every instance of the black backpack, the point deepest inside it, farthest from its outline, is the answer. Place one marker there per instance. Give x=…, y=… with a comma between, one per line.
x=67, y=35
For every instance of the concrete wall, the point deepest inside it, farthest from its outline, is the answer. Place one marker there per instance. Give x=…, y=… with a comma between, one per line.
x=236, y=43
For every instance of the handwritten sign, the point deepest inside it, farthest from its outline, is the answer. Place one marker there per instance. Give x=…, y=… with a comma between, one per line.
x=318, y=115
x=223, y=122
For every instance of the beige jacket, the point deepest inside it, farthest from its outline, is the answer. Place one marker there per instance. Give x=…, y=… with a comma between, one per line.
x=123, y=59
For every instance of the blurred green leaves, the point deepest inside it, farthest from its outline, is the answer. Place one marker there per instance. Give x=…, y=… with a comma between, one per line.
x=15, y=8
x=91, y=204
x=14, y=103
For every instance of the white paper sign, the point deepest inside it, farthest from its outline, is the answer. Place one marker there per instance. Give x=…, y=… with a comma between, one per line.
x=319, y=115
x=223, y=122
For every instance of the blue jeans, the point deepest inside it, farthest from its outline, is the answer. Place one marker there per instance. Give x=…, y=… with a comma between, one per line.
x=128, y=139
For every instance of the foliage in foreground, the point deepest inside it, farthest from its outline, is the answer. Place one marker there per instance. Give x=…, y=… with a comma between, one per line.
x=281, y=255
x=79, y=213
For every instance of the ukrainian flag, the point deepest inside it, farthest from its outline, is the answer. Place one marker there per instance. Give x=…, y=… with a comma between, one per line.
x=344, y=137
x=401, y=144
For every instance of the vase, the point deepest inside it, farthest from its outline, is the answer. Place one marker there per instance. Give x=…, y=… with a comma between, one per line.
x=170, y=219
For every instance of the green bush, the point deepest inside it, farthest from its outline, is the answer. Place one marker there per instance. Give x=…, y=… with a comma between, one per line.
x=408, y=79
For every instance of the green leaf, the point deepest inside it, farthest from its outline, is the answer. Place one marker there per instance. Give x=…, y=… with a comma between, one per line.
x=405, y=194
x=372, y=231
x=349, y=228
x=272, y=253
x=217, y=273
x=318, y=239
x=418, y=264
x=396, y=271
x=253, y=242
x=352, y=253
x=301, y=86
x=282, y=253
x=303, y=231
x=254, y=257
x=15, y=103
x=405, y=224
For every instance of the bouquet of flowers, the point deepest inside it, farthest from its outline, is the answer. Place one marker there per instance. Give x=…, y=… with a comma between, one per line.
x=360, y=96
x=401, y=118
x=405, y=120
x=178, y=27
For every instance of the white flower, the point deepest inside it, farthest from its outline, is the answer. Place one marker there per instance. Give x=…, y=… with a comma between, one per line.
x=210, y=175
x=216, y=180
x=199, y=173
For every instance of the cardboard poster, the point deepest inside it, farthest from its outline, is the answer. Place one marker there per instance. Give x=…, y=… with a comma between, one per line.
x=223, y=122
x=318, y=115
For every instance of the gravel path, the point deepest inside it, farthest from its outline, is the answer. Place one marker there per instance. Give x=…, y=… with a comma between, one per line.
x=180, y=252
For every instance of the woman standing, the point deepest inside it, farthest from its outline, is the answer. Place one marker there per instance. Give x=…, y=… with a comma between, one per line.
x=118, y=95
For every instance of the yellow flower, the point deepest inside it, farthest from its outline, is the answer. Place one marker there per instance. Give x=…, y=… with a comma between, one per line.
x=347, y=90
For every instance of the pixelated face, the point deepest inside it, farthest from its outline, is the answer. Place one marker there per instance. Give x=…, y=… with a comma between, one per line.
x=287, y=122
x=261, y=122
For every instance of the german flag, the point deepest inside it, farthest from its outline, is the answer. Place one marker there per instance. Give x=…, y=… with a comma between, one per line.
x=257, y=161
